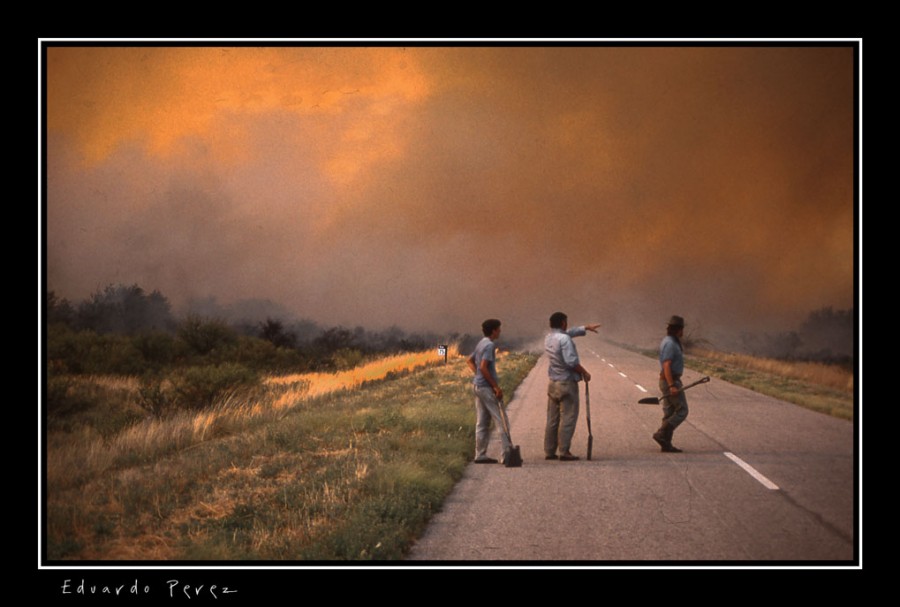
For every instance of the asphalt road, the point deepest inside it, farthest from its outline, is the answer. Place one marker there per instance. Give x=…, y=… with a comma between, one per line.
x=759, y=481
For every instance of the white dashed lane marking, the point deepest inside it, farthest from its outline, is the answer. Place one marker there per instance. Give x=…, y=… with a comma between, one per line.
x=752, y=471
x=612, y=366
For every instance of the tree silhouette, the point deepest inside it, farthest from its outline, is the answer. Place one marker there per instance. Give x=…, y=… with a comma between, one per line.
x=125, y=310
x=273, y=330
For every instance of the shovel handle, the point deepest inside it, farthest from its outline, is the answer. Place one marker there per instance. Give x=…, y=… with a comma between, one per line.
x=702, y=380
x=655, y=401
x=587, y=404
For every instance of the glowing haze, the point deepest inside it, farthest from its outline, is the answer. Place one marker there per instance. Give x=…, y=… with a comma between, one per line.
x=434, y=187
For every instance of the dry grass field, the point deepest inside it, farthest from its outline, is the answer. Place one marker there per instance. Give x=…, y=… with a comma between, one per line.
x=313, y=467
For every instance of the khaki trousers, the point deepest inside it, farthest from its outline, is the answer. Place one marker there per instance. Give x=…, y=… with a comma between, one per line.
x=562, y=416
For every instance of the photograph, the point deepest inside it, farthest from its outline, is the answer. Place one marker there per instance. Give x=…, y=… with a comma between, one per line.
x=314, y=306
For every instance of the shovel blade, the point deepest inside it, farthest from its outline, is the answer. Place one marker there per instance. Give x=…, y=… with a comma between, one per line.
x=513, y=457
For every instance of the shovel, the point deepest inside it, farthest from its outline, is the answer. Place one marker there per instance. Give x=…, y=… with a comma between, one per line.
x=513, y=457
x=587, y=409
x=654, y=400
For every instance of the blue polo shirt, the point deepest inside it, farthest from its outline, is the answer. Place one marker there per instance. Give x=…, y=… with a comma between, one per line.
x=485, y=350
x=670, y=349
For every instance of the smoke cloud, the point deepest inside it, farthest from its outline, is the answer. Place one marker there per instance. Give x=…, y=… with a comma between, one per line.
x=431, y=188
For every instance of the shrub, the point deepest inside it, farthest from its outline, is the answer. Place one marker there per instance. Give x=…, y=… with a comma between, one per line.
x=156, y=348
x=205, y=336
x=63, y=399
x=66, y=351
x=113, y=354
x=200, y=387
x=273, y=331
x=153, y=398
x=87, y=352
x=105, y=405
x=263, y=356
x=347, y=358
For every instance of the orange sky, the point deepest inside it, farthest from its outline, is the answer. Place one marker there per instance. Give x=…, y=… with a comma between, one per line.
x=434, y=187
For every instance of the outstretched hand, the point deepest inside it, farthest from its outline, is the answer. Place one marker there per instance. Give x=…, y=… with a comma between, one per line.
x=592, y=328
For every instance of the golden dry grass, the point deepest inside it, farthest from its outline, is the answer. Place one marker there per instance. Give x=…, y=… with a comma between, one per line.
x=316, y=384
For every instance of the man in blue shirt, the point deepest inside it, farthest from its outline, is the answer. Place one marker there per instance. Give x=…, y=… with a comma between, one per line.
x=565, y=371
x=671, y=367
x=488, y=394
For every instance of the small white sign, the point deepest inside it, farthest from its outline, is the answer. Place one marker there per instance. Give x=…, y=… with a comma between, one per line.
x=442, y=350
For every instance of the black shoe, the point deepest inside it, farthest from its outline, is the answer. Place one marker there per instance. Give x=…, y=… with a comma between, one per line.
x=551, y=456
x=669, y=447
x=486, y=460
x=568, y=457
x=660, y=440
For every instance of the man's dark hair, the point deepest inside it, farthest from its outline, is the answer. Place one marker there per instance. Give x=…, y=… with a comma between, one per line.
x=488, y=326
x=557, y=319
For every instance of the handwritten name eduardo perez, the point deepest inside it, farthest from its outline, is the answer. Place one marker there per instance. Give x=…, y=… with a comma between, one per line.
x=171, y=589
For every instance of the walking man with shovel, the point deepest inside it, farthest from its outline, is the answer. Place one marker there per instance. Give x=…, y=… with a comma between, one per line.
x=671, y=364
x=565, y=372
